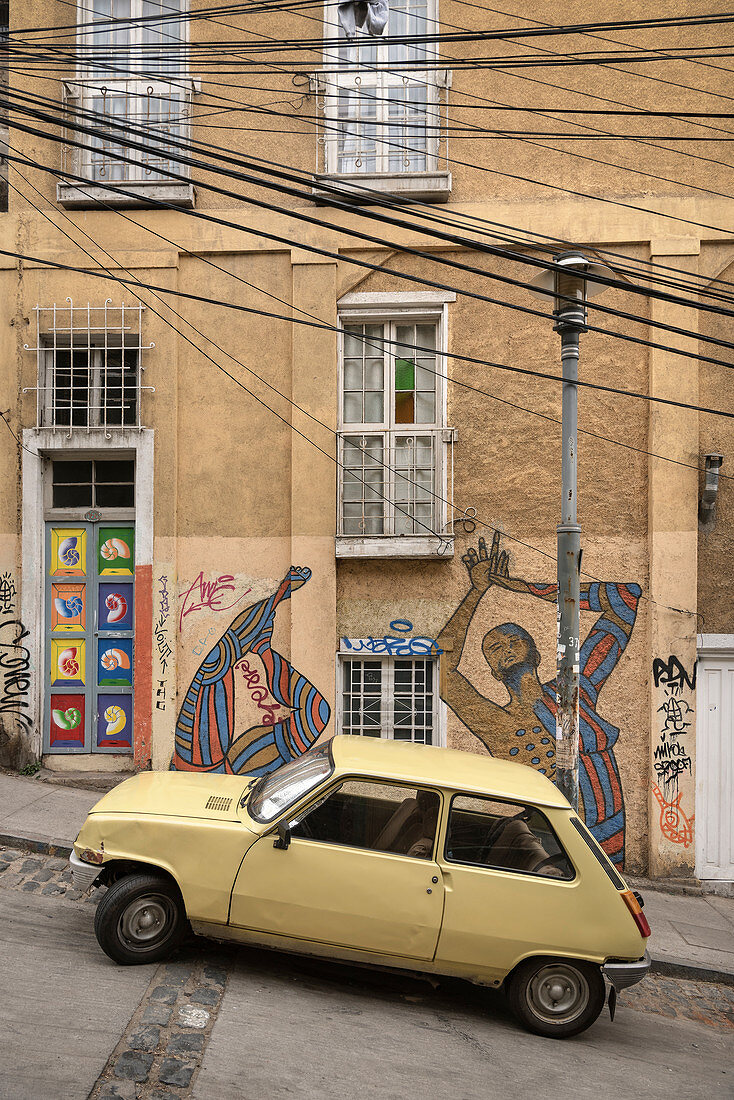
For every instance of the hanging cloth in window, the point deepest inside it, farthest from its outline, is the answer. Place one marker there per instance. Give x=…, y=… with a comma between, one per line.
x=368, y=14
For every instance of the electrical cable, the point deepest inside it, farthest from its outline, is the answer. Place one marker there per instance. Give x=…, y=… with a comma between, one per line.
x=475, y=519
x=338, y=202
x=445, y=377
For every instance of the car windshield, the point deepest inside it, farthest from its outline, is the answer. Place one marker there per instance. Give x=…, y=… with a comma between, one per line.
x=276, y=792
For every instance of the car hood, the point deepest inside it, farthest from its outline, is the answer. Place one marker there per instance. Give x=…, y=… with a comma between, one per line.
x=177, y=794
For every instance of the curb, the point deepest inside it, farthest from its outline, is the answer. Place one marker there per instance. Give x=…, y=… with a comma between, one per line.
x=677, y=968
x=36, y=844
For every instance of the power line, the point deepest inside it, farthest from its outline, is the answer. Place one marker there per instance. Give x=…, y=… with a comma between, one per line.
x=439, y=374
x=475, y=519
x=337, y=200
x=56, y=265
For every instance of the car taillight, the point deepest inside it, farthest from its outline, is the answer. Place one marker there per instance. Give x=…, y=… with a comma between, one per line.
x=637, y=915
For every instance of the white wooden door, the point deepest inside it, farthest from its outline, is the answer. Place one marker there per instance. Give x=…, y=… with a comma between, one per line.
x=715, y=769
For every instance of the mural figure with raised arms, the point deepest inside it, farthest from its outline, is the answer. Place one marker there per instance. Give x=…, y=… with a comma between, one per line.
x=205, y=735
x=523, y=728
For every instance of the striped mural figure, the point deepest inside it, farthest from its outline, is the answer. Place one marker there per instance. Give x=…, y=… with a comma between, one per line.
x=523, y=729
x=205, y=735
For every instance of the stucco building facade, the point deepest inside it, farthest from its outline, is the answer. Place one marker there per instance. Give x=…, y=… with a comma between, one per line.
x=265, y=473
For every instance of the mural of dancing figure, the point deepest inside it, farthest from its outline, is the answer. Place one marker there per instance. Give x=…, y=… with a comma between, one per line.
x=523, y=729
x=205, y=735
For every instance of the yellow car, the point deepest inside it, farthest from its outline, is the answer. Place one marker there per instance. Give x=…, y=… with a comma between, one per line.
x=378, y=852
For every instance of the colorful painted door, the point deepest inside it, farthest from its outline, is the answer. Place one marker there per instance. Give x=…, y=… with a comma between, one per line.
x=90, y=580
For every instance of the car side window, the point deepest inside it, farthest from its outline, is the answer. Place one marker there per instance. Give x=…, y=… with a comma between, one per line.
x=382, y=817
x=505, y=836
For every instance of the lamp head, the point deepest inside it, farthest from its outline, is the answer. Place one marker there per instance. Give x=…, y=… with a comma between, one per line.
x=570, y=283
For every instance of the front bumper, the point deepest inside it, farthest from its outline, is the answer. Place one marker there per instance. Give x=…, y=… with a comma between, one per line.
x=624, y=974
x=83, y=874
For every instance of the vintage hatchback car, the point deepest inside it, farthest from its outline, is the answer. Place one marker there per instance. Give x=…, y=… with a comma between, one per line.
x=377, y=852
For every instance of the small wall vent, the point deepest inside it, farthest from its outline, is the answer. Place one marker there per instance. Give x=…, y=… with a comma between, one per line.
x=216, y=802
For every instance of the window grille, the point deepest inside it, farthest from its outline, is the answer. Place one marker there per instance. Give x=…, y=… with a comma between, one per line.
x=144, y=89
x=381, y=114
x=390, y=697
x=89, y=366
x=395, y=453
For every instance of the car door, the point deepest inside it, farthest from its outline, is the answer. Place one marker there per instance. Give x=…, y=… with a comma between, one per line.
x=511, y=889
x=359, y=873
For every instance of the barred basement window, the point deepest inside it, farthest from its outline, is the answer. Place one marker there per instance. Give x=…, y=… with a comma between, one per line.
x=89, y=366
x=391, y=697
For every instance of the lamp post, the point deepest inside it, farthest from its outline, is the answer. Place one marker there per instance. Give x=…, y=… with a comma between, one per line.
x=571, y=282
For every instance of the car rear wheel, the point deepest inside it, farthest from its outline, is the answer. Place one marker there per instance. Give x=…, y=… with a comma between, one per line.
x=140, y=919
x=557, y=998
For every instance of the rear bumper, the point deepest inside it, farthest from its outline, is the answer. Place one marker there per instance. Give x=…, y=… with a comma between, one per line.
x=624, y=974
x=83, y=874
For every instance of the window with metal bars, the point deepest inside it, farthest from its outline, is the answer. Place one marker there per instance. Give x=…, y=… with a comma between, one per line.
x=382, y=112
x=145, y=96
x=89, y=366
x=392, y=435
x=391, y=697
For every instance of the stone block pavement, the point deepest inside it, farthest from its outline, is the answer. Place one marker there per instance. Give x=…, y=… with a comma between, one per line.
x=692, y=936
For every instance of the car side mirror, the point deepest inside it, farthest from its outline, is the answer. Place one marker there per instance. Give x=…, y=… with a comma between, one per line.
x=283, y=838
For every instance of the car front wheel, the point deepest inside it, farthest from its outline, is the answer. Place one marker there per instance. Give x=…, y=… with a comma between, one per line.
x=557, y=998
x=140, y=919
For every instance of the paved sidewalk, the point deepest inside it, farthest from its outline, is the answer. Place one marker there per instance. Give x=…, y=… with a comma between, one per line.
x=692, y=936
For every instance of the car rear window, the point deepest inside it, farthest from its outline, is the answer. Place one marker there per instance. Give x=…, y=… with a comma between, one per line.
x=277, y=792
x=504, y=836
x=599, y=854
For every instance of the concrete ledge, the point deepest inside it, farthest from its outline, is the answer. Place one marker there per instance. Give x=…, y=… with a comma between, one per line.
x=35, y=844
x=678, y=968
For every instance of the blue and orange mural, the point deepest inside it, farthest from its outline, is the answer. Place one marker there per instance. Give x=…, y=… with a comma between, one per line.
x=205, y=736
x=523, y=729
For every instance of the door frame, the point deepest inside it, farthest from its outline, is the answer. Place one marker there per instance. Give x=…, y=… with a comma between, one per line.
x=40, y=447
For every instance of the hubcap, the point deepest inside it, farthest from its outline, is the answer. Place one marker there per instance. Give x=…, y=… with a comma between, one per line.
x=558, y=993
x=145, y=920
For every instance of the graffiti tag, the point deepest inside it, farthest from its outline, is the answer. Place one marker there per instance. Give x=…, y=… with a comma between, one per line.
x=15, y=665
x=7, y=594
x=259, y=693
x=670, y=756
x=674, y=824
x=209, y=594
x=672, y=674
x=393, y=646
x=161, y=695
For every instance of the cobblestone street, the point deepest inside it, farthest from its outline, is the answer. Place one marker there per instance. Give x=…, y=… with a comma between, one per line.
x=162, y=1047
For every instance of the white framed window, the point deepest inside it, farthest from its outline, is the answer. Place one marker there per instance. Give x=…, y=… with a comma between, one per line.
x=382, y=115
x=133, y=71
x=395, y=451
x=392, y=697
x=89, y=366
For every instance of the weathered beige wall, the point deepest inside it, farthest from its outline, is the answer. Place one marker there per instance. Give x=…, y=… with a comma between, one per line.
x=240, y=496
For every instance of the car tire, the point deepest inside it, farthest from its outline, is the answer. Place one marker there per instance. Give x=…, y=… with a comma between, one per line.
x=140, y=919
x=556, y=998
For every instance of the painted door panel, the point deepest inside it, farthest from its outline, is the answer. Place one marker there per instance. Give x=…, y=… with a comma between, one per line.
x=89, y=638
x=374, y=901
x=715, y=769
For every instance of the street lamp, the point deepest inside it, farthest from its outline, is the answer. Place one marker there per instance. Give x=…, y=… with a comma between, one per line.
x=571, y=282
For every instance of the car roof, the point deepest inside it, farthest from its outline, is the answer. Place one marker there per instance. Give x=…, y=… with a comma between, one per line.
x=460, y=771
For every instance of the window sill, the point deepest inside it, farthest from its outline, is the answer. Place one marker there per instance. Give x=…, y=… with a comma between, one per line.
x=144, y=194
x=402, y=186
x=394, y=546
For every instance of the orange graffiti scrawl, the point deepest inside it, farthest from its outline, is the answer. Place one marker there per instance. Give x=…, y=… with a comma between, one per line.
x=675, y=825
